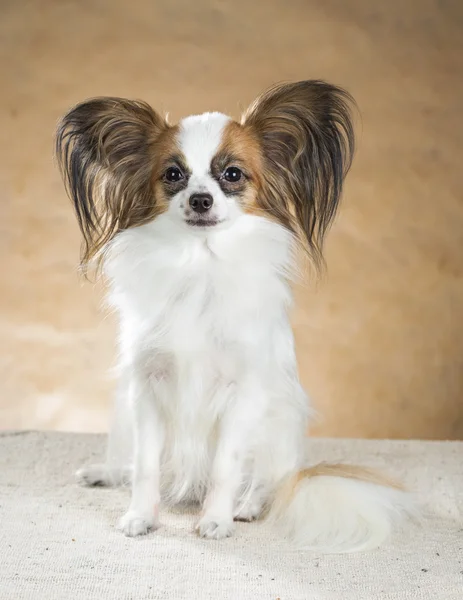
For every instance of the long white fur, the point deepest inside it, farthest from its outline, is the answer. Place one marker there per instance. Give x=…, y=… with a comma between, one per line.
x=210, y=407
x=338, y=514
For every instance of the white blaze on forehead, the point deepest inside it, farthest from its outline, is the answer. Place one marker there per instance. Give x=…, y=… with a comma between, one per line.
x=199, y=139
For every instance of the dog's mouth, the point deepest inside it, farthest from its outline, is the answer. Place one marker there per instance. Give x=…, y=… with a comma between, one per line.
x=202, y=222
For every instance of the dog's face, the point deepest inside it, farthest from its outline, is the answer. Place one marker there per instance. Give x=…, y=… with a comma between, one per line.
x=206, y=172
x=124, y=165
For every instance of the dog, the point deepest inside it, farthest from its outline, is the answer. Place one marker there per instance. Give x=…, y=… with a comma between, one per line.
x=197, y=227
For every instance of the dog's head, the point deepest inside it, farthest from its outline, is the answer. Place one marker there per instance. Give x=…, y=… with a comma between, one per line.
x=124, y=165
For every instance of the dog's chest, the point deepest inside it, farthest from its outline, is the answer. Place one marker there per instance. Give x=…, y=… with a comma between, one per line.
x=207, y=306
x=193, y=302
x=208, y=309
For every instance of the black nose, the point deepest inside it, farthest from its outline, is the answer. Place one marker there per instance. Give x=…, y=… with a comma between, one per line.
x=201, y=203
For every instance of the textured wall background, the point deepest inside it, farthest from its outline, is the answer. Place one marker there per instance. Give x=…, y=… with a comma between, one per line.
x=380, y=339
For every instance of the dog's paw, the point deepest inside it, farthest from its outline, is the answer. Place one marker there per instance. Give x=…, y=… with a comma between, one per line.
x=93, y=475
x=133, y=524
x=214, y=529
x=248, y=514
x=250, y=511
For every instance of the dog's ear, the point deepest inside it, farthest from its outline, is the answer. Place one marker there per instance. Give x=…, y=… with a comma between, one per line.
x=105, y=148
x=307, y=140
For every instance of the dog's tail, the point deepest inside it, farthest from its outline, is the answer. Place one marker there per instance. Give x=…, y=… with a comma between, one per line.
x=339, y=508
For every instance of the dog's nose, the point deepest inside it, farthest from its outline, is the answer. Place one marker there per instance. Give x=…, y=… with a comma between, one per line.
x=201, y=203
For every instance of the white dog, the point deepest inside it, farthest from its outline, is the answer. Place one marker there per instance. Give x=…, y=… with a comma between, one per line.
x=197, y=226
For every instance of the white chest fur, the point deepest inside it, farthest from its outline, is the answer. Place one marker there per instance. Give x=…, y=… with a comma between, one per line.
x=186, y=293
x=202, y=314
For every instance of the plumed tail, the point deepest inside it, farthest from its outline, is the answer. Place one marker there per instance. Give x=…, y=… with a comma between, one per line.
x=339, y=508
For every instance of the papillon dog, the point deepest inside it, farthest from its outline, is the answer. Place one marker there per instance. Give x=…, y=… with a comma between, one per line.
x=198, y=227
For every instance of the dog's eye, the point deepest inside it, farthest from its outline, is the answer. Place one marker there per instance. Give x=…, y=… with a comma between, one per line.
x=173, y=174
x=232, y=174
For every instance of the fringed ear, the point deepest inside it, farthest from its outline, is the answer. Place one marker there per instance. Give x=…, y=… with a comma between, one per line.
x=105, y=150
x=307, y=140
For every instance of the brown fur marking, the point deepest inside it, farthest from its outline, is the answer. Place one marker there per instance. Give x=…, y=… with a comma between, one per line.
x=306, y=137
x=105, y=148
x=164, y=150
x=289, y=488
x=287, y=491
x=348, y=472
x=240, y=148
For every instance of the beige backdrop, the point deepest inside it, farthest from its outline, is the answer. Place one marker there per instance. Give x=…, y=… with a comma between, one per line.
x=381, y=338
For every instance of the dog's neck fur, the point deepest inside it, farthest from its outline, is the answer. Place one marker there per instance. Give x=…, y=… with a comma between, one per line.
x=202, y=314
x=226, y=284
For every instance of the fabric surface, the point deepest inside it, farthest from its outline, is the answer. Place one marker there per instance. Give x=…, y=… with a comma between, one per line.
x=58, y=540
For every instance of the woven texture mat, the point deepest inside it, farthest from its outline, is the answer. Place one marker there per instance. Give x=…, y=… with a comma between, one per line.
x=58, y=541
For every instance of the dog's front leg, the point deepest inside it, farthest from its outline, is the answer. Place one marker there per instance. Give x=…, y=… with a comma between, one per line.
x=143, y=511
x=236, y=437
